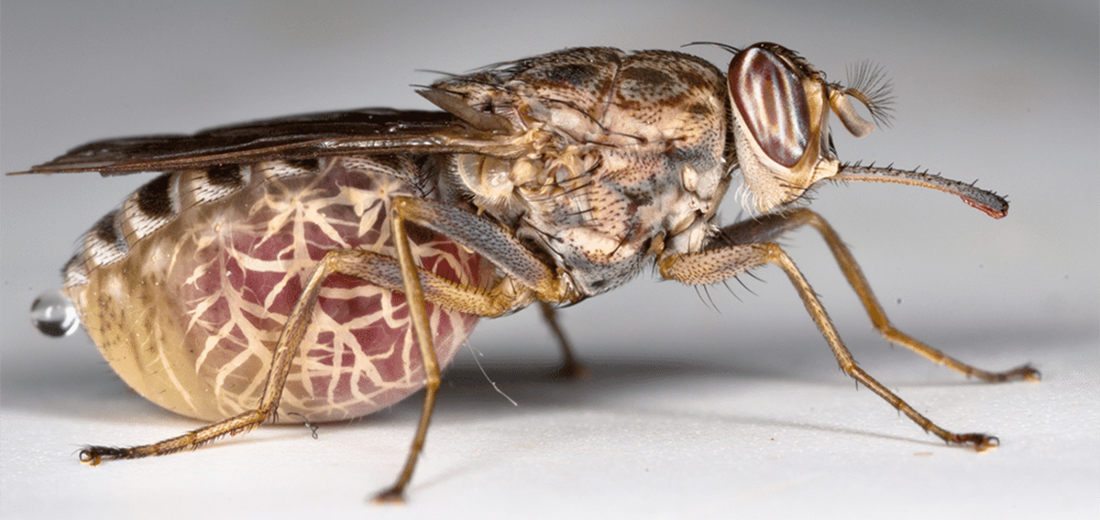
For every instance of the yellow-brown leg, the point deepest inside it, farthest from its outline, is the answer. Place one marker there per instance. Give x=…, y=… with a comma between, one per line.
x=526, y=279
x=419, y=315
x=774, y=254
x=372, y=267
x=522, y=270
x=771, y=226
x=878, y=316
x=749, y=251
x=286, y=349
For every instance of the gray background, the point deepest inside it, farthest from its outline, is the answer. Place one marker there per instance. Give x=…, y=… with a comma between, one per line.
x=689, y=411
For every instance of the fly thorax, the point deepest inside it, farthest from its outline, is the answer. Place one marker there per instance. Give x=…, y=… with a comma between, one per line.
x=488, y=181
x=548, y=183
x=690, y=215
x=608, y=152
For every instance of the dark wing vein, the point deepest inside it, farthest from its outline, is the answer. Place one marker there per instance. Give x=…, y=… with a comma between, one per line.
x=357, y=132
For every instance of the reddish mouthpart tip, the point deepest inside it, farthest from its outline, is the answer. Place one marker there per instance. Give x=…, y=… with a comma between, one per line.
x=995, y=213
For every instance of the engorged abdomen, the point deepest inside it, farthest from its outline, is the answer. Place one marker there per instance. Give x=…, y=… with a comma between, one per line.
x=190, y=315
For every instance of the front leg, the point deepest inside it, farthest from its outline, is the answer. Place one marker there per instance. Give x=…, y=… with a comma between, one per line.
x=728, y=261
x=769, y=227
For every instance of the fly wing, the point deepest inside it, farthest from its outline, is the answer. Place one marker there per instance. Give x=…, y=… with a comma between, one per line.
x=366, y=131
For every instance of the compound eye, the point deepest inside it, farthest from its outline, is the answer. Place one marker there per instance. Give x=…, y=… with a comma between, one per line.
x=771, y=101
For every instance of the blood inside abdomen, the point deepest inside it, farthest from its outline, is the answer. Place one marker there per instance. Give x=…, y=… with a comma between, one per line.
x=191, y=316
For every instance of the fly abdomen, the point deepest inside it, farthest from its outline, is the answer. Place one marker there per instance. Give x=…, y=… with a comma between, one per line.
x=186, y=288
x=148, y=210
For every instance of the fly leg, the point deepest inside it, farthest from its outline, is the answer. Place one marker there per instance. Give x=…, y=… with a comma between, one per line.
x=286, y=349
x=749, y=250
x=378, y=269
x=771, y=226
x=490, y=241
x=419, y=315
x=570, y=367
x=385, y=272
x=526, y=279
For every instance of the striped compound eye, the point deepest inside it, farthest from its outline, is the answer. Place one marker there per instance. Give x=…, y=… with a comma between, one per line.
x=770, y=100
x=781, y=129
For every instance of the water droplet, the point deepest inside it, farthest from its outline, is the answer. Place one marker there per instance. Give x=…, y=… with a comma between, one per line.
x=54, y=314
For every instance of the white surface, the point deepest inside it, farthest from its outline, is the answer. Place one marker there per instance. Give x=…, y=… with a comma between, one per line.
x=689, y=412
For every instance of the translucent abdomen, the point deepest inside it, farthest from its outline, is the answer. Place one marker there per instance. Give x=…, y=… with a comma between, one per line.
x=186, y=289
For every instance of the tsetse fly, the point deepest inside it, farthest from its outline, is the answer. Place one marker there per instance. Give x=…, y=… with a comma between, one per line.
x=328, y=265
